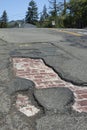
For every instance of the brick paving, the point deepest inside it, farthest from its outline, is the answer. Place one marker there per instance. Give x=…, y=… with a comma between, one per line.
x=24, y=105
x=45, y=77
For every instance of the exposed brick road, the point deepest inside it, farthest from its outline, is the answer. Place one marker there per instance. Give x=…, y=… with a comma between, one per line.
x=45, y=77
x=25, y=106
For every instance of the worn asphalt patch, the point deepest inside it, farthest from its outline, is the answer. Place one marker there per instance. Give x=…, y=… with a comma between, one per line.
x=56, y=99
x=19, y=84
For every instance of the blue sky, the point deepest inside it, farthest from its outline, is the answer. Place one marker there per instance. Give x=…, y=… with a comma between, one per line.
x=16, y=9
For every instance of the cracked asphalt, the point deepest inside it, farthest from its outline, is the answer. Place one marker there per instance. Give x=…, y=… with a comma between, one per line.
x=65, y=53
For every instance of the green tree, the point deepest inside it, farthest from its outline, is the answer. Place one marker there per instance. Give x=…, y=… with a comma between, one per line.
x=4, y=20
x=53, y=7
x=32, y=13
x=44, y=16
x=56, y=9
x=64, y=11
x=77, y=11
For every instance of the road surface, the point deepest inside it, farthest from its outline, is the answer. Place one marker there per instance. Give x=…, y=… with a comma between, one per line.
x=68, y=48
x=63, y=50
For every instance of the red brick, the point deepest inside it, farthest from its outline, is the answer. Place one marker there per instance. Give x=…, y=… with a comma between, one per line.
x=38, y=77
x=83, y=109
x=28, y=69
x=81, y=91
x=71, y=88
x=25, y=65
x=58, y=81
x=82, y=103
x=24, y=59
x=38, y=80
x=83, y=95
x=79, y=97
x=42, y=71
x=53, y=75
x=34, y=71
x=61, y=85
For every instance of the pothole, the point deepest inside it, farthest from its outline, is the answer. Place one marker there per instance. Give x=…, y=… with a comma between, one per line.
x=24, y=105
x=45, y=77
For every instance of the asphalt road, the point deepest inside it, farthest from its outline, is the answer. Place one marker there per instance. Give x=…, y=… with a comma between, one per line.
x=65, y=51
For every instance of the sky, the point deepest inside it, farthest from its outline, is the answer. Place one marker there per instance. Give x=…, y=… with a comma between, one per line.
x=16, y=9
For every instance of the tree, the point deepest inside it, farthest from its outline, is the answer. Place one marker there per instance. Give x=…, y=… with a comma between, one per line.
x=55, y=9
x=4, y=20
x=32, y=13
x=43, y=17
x=64, y=7
x=44, y=14
x=78, y=13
